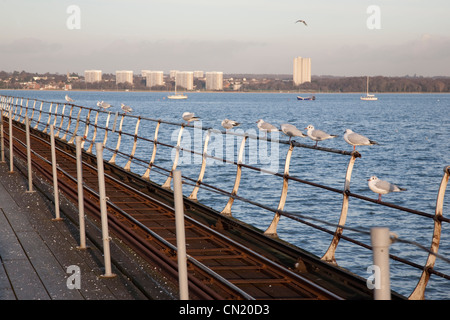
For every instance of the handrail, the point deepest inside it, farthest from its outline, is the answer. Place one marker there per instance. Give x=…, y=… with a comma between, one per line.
x=80, y=116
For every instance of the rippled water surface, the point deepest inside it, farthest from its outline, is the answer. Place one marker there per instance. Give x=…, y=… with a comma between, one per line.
x=414, y=146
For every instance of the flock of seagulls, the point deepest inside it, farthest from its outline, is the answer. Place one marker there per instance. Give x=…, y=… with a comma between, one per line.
x=352, y=138
x=104, y=105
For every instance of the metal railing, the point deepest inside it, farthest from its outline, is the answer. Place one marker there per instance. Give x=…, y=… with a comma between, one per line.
x=154, y=152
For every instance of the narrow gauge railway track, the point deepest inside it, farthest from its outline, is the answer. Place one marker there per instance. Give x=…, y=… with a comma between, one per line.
x=219, y=267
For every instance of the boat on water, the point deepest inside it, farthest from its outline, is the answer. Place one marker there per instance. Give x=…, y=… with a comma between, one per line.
x=177, y=96
x=368, y=97
x=306, y=98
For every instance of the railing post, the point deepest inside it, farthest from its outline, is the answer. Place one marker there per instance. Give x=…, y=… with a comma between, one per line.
x=76, y=128
x=175, y=161
x=81, y=216
x=380, y=246
x=180, y=234
x=146, y=175
x=329, y=256
x=94, y=134
x=40, y=115
x=2, y=136
x=272, y=229
x=119, y=139
x=11, y=143
x=136, y=130
x=30, y=173
x=55, y=173
x=227, y=210
x=419, y=291
x=49, y=117
x=103, y=211
x=193, y=195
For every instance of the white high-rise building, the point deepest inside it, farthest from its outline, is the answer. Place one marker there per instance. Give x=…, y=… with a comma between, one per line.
x=198, y=74
x=214, y=80
x=302, y=70
x=185, y=79
x=123, y=76
x=91, y=76
x=154, y=78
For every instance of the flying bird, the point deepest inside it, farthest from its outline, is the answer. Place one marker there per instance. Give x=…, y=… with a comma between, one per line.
x=189, y=116
x=382, y=187
x=126, y=108
x=68, y=99
x=318, y=135
x=265, y=126
x=291, y=131
x=104, y=105
x=302, y=21
x=356, y=139
x=228, y=124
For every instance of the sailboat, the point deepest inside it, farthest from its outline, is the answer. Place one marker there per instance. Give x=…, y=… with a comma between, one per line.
x=177, y=96
x=369, y=97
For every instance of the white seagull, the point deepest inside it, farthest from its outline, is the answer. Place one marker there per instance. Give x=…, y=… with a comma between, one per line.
x=291, y=131
x=189, y=116
x=104, y=105
x=302, y=21
x=382, y=187
x=126, y=108
x=228, y=124
x=69, y=99
x=265, y=126
x=318, y=135
x=355, y=139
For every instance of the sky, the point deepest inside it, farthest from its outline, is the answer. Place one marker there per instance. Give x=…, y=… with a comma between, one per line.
x=342, y=38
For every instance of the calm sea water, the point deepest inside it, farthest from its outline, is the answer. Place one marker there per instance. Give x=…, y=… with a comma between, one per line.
x=414, y=146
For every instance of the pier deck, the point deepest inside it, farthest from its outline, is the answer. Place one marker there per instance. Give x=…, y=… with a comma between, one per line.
x=36, y=253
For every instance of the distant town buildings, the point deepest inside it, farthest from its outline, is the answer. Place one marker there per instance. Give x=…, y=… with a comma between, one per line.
x=302, y=70
x=91, y=76
x=185, y=79
x=214, y=80
x=123, y=76
x=153, y=78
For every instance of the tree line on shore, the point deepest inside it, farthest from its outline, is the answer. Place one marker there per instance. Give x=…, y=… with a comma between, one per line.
x=238, y=83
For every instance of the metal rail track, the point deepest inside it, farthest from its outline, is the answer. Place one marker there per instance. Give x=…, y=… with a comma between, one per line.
x=219, y=267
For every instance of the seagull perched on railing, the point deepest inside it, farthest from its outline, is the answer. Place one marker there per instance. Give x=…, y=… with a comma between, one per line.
x=382, y=187
x=228, y=124
x=356, y=139
x=265, y=126
x=302, y=21
x=104, y=105
x=126, y=108
x=189, y=116
x=318, y=135
x=69, y=99
x=291, y=131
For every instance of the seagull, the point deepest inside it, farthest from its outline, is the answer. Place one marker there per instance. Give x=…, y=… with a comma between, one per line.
x=265, y=126
x=303, y=21
x=68, y=99
x=382, y=187
x=228, y=124
x=189, y=116
x=318, y=135
x=126, y=108
x=291, y=131
x=356, y=139
x=104, y=105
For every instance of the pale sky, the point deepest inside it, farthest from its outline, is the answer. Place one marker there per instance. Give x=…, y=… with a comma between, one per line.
x=237, y=36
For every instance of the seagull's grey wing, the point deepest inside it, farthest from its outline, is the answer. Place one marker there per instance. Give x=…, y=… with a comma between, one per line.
x=358, y=139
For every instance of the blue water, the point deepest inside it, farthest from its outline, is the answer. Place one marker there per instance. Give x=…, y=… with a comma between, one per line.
x=414, y=146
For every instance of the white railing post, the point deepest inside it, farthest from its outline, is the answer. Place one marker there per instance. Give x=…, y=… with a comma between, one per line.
x=2, y=143
x=30, y=173
x=381, y=241
x=80, y=194
x=103, y=211
x=11, y=143
x=55, y=173
x=181, y=240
